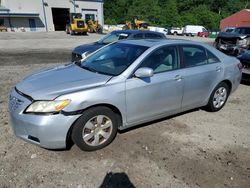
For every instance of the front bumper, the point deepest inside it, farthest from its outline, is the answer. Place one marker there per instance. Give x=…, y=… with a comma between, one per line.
x=231, y=49
x=48, y=131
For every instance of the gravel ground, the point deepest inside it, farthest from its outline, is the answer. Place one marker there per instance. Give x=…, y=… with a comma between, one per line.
x=195, y=149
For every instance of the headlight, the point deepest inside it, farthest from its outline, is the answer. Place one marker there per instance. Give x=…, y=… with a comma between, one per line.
x=85, y=54
x=47, y=106
x=243, y=42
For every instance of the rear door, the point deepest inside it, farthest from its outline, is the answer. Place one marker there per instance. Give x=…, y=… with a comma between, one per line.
x=203, y=70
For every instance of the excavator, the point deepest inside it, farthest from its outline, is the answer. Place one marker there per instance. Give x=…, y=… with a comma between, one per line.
x=136, y=24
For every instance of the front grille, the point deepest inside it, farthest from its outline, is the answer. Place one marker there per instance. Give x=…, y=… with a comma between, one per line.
x=76, y=57
x=228, y=41
x=80, y=24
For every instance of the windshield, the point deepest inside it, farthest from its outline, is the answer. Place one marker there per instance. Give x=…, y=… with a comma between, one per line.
x=112, y=37
x=242, y=30
x=113, y=59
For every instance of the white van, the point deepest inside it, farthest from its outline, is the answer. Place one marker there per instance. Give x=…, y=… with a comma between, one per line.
x=192, y=30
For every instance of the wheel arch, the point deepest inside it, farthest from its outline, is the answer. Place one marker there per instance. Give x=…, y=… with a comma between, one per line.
x=116, y=111
x=229, y=84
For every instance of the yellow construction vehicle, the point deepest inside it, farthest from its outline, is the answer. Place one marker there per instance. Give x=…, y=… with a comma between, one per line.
x=94, y=26
x=76, y=25
x=136, y=24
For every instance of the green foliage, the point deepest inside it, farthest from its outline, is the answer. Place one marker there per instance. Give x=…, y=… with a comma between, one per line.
x=172, y=12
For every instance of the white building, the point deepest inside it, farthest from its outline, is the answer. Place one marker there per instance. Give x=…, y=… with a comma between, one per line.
x=46, y=15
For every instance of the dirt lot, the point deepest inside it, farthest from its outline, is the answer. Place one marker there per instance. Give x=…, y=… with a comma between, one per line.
x=195, y=149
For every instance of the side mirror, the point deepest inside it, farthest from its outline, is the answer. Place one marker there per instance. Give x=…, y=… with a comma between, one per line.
x=144, y=72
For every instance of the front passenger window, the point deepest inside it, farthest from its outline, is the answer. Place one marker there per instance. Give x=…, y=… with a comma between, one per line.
x=162, y=60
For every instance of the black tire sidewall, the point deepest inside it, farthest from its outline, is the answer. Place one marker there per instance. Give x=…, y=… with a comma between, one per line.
x=77, y=130
x=210, y=105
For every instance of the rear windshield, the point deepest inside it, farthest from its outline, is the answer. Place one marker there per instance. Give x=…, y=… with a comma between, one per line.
x=242, y=30
x=112, y=37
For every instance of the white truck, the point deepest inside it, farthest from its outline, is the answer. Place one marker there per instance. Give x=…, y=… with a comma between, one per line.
x=192, y=30
x=176, y=31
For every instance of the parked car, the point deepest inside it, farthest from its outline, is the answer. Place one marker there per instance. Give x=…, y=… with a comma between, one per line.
x=234, y=43
x=121, y=85
x=193, y=30
x=176, y=31
x=84, y=50
x=245, y=60
x=203, y=34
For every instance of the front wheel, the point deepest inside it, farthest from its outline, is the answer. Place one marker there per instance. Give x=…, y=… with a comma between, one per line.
x=218, y=97
x=95, y=129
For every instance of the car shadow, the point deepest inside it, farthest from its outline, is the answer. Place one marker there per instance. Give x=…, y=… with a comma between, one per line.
x=116, y=180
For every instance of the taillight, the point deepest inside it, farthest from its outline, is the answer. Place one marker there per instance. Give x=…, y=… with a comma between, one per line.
x=240, y=66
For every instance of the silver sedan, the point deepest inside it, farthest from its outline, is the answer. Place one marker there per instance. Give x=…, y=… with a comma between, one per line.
x=119, y=86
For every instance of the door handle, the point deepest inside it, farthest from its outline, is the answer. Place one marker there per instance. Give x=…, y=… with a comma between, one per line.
x=178, y=78
x=218, y=69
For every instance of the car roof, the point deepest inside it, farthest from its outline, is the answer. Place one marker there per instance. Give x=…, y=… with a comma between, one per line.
x=241, y=27
x=155, y=42
x=135, y=31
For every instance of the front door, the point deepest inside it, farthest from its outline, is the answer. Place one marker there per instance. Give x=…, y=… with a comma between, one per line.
x=160, y=94
x=32, y=24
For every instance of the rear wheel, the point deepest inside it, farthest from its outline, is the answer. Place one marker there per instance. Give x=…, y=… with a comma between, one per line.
x=218, y=97
x=99, y=29
x=95, y=129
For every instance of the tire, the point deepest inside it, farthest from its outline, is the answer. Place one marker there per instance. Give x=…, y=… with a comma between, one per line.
x=71, y=32
x=99, y=29
x=218, y=97
x=88, y=126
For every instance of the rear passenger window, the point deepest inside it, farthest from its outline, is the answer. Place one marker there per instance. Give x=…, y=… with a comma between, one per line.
x=212, y=58
x=138, y=36
x=152, y=36
x=194, y=56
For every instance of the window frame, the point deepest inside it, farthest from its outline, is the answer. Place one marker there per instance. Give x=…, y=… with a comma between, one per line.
x=219, y=61
x=168, y=45
x=183, y=64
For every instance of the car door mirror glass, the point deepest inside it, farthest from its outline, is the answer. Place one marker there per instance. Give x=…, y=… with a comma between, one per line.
x=144, y=72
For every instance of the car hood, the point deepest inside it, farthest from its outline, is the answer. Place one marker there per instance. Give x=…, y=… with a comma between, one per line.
x=231, y=35
x=51, y=83
x=87, y=48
